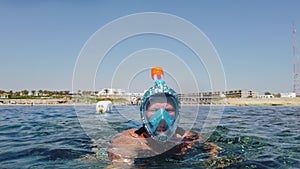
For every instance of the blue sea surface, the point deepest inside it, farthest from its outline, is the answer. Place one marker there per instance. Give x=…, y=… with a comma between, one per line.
x=66, y=136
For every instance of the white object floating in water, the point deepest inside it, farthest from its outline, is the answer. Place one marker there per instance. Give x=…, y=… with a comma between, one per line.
x=104, y=106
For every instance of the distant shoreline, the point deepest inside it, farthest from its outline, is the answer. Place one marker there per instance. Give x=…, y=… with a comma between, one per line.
x=220, y=102
x=257, y=102
x=262, y=101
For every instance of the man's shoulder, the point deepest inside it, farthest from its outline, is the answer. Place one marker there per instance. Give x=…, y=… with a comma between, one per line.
x=127, y=134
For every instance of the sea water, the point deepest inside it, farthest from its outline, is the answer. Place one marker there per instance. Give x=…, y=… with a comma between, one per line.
x=68, y=136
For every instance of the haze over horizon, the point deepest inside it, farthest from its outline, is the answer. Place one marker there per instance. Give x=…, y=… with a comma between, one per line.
x=41, y=41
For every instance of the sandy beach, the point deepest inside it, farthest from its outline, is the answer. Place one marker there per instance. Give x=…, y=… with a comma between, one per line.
x=35, y=102
x=225, y=102
x=261, y=102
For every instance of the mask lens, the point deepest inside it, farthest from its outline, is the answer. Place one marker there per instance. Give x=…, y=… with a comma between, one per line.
x=161, y=120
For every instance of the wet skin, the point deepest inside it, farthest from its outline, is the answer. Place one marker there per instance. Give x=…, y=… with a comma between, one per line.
x=126, y=146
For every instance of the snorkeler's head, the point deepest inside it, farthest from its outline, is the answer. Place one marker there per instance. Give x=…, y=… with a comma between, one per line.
x=160, y=111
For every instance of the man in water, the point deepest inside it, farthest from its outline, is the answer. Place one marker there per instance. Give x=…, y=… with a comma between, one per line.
x=159, y=137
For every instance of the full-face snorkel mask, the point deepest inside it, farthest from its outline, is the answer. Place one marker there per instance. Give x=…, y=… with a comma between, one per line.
x=160, y=121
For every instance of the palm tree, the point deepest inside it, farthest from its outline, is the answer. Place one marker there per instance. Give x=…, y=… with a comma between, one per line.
x=40, y=92
x=24, y=92
x=10, y=93
x=66, y=92
x=33, y=92
x=106, y=91
x=18, y=93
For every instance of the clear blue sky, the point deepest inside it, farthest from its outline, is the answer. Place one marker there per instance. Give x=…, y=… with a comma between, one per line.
x=41, y=40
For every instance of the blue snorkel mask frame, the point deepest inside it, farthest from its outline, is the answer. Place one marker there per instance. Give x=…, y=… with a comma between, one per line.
x=160, y=92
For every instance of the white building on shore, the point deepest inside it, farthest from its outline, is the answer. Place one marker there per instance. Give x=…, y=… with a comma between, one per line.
x=265, y=96
x=111, y=91
x=288, y=95
x=4, y=96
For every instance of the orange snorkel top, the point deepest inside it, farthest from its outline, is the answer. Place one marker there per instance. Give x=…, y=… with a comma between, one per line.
x=157, y=73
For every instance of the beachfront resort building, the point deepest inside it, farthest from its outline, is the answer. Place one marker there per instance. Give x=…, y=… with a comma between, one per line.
x=208, y=97
x=4, y=96
x=228, y=94
x=241, y=93
x=288, y=95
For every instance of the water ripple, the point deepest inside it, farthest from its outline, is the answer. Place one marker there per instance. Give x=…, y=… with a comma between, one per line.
x=52, y=137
